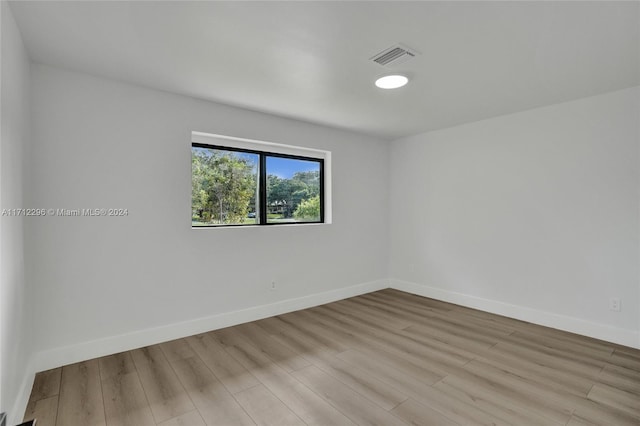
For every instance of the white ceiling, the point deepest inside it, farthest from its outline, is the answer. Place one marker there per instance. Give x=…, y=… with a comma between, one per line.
x=310, y=60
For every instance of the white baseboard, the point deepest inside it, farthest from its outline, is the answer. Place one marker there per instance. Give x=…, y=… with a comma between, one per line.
x=57, y=357
x=605, y=332
x=16, y=415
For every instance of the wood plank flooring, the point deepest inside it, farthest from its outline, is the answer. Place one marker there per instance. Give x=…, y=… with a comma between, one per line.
x=384, y=358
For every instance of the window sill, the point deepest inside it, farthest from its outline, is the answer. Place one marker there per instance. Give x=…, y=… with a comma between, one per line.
x=283, y=225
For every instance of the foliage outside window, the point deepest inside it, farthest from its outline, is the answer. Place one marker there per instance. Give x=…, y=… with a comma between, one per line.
x=235, y=187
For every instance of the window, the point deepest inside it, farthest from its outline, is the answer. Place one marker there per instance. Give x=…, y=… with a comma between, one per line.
x=238, y=186
x=224, y=186
x=293, y=189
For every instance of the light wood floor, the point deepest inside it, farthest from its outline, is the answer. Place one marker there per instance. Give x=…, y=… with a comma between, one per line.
x=385, y=358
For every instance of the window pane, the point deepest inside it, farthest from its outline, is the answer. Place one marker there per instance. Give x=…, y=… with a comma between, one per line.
x=293, y=190
x=224, y=187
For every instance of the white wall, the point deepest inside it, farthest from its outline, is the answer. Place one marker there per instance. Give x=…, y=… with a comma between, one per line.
x=99, y=143
x=15, y=317
x=533, y=215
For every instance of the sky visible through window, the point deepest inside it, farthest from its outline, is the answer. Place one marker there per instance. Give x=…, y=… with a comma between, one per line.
x=284, y=168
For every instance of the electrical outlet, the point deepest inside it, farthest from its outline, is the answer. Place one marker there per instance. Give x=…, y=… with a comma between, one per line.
x=614, y=304
x=273, y=285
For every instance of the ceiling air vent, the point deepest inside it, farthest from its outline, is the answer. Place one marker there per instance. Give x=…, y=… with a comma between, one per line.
x=394, y=55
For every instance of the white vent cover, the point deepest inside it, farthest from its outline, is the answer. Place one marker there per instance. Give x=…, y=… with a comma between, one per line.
x=394, y=55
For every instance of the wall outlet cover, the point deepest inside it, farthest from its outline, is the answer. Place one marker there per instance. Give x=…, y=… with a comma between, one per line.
x=614, y=304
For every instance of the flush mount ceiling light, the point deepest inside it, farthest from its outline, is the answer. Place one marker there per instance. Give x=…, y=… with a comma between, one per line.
x=391, y=81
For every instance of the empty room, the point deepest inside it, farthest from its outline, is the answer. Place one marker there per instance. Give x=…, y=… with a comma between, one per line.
x=221, y=213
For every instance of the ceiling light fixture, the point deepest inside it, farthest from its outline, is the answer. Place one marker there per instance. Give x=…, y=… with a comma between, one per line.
x=391, y=81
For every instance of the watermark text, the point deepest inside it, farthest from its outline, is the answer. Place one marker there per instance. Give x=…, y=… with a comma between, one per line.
x=85, y=212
